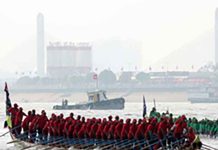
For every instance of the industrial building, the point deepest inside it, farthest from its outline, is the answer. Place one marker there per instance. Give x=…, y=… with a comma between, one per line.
x=68, y=59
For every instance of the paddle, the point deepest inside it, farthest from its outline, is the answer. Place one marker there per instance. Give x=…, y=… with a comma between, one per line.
x=50, y=144
x=9, y=131
x=115, y=143
x=150, y=145
x=210, y=147
x=129, y=143
x=19, y=138
x=105, y=145
x=65, y=143
x=139, y=142
x=98, y=143
x=47, y=142
x=94, y=143
x=123, y=144
x=174, y=143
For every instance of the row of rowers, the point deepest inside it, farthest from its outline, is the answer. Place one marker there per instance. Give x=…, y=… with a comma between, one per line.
x=110, y=128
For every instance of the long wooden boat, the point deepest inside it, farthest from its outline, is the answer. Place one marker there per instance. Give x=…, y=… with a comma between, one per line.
x=21, y=144
x=69, y=144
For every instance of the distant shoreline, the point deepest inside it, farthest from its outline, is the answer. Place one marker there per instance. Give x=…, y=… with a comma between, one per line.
x=75, y=97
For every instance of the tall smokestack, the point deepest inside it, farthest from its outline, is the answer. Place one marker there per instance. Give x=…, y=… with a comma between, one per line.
x=216, y=37
x=40, y=45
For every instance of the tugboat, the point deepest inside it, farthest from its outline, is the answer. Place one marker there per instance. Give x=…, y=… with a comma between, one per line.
x=96, y=100
x=203, y=95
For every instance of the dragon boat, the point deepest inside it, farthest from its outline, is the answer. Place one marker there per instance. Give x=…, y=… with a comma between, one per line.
x=62, y=143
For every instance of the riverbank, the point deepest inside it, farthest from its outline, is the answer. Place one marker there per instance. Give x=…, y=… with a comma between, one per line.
x=75, y=97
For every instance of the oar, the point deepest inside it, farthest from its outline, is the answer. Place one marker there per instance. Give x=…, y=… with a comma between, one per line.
x=125, y=143
x=35, y=145
x=210, y=147
x=72, y=141
x=5, y=133
x=99, y=142
x=106, y=143
x=85, y=141
x=115, y=143
x=205, y=148
x=150, y=145
x=18, y=138
x=174, y=143
x=94, y=143
x=66, y=143
x=10, y=131
x=31, y=146
x=137, y=142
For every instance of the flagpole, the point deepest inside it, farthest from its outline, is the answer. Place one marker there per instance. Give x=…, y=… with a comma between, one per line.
x=154, y=103
x=97, y=83
x=144, y=107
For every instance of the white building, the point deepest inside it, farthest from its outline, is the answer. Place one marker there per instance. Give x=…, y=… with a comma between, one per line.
x=68, y=59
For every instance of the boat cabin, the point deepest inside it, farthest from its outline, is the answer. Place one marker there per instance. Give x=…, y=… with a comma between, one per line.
x=97, y=96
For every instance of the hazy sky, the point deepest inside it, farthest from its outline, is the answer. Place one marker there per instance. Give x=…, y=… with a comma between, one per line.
x=161, y=25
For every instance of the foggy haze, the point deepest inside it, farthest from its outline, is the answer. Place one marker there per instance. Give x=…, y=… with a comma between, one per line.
x=97, y=58
x=140, y=33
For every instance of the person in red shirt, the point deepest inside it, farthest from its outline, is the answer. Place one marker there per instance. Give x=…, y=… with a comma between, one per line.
x=61, y=125
x=118, y=129
x=77, y=127
x=71, y=129
x=162, y=131
x=141, y=128
x=55, y=126
x=179, y=127
x=111, y=131
x=51, y=125
x=132, y=129
x=81, y=133
x=106, y=130
x=150, y=131
x=190, y=136
x=100, y=129
x=94, y=128
x=25, y=124
x=178, y=130
x=32, y=128
x=67, y=124
x=45, y=131
x=41, y=123
x=125, y=130
x=13, y=111
x=18, y=120
x=88, y=127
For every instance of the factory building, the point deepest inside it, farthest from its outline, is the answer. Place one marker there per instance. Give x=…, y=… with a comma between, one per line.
x=68, y=59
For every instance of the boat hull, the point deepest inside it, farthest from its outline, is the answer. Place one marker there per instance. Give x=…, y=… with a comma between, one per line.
x=117, y=103
x=203, y=100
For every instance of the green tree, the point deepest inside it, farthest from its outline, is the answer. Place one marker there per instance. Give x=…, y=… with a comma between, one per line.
x=142, y=77
x=107, y=77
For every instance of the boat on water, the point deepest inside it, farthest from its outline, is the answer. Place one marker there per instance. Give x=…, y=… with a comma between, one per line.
x=203, y=95
x=96, y=100
x=49, y=141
